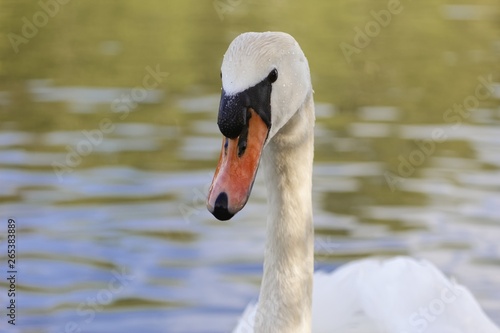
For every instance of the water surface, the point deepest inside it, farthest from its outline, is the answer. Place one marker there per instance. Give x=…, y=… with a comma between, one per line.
x=106, y=178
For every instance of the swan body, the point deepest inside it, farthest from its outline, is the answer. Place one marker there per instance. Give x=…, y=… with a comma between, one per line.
x=398, y=295
x=267, y=114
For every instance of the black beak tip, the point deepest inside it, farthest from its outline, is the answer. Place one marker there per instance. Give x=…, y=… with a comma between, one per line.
x=221, y=211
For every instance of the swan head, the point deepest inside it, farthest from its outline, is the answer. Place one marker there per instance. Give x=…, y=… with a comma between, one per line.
x=265, y=81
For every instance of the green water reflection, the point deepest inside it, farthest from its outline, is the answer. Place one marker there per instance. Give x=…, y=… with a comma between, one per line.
x=403, y=75
x=418, y=59
x=421, y=62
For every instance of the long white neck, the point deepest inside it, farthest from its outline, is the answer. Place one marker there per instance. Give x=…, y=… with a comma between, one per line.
x=286, y=291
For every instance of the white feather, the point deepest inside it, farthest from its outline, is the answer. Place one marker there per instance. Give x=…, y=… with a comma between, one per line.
x=400, y=295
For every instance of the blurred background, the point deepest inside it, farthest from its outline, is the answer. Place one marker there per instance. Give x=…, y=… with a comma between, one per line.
x=108, y=142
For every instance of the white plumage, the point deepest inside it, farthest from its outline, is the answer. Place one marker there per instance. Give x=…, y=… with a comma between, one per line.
x=399, y=295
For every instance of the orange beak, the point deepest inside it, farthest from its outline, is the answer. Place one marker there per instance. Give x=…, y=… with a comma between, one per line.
x=236, y=170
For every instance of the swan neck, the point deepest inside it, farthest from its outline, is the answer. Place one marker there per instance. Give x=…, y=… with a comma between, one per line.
x=286, y=292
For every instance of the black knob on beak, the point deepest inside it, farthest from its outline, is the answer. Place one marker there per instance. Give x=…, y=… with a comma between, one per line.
x=221, y=211
x=232, y=114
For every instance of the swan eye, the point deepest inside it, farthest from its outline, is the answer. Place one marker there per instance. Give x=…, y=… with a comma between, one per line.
x=273, y=76
x=221, y=75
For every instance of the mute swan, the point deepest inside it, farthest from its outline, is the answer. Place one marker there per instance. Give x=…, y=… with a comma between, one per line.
x=267, y=109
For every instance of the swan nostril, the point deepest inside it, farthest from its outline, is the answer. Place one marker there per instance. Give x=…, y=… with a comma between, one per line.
x=221, y=211
x=242, y=146
x=242, y=140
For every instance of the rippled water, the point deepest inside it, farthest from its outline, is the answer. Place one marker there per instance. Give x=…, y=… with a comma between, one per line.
x=181, y=269
x=117, y=237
